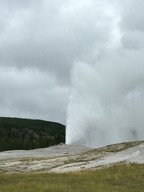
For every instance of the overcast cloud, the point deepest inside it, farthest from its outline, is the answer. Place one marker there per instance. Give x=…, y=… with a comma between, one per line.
x=42, y=40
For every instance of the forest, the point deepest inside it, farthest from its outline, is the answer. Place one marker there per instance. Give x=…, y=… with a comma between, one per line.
x=17, y=133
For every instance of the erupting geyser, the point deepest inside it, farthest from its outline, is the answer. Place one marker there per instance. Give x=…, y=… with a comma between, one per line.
x=106, y=103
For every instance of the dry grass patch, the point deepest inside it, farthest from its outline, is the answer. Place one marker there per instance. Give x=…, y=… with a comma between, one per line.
x=118, y=178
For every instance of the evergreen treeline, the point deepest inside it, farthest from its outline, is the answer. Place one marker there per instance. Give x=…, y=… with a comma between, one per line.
x=16, y=133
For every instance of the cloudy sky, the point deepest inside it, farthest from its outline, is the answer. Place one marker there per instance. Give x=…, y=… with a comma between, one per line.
x=41, y=42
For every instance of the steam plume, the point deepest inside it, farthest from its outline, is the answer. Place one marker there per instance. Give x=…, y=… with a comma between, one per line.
x=106, y=103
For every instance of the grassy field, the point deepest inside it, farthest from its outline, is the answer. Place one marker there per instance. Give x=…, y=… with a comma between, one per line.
x=118, y=178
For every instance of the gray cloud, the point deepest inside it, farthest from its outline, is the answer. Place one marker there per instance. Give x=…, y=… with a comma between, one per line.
x=32, y=93
x=50, y=36
x=39, y=41
x=132, y=13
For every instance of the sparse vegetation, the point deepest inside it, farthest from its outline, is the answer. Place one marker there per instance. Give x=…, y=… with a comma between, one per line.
x=16, y=133
x=113, y=148
x=118, y=178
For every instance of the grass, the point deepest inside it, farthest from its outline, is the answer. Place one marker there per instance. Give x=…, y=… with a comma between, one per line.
x=118, y=178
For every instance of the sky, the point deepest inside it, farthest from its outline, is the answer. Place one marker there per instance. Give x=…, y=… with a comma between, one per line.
x=44, y=44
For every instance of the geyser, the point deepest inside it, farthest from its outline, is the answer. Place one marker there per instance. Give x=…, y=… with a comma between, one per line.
x=106, y=102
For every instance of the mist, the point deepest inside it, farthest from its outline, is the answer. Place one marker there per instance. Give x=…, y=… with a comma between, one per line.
x=106, y=100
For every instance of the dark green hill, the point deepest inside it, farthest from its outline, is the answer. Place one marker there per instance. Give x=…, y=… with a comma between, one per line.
x=16, y=133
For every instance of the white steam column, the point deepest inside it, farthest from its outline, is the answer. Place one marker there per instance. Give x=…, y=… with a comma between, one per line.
x=106, y=103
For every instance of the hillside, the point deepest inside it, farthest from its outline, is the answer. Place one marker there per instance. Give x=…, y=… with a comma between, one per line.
x=16, y=133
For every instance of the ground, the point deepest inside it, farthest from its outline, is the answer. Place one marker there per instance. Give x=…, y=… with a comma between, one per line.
x=70, y=158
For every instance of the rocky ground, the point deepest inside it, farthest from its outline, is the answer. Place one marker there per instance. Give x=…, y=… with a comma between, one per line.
x=66, y=158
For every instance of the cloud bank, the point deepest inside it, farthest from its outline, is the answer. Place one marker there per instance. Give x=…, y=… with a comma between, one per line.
x=39, y=42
